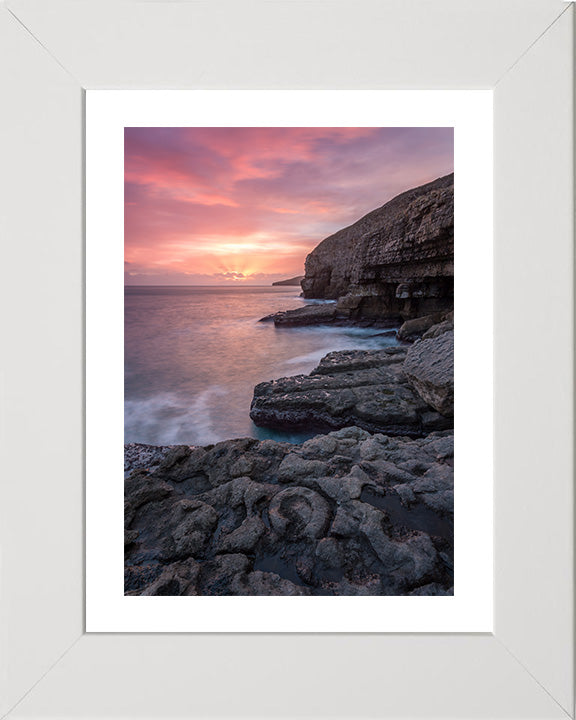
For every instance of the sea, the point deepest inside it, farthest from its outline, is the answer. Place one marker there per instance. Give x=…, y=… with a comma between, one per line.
x=193, y=355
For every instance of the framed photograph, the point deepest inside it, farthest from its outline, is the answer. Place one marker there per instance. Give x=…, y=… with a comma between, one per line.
x=99, y=103
x=287, y=494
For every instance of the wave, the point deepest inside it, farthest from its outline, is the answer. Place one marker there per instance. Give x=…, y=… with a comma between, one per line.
x=313, y=357
x=341, y=339
x=167, y=419
x=317, y=301
x=384, y=335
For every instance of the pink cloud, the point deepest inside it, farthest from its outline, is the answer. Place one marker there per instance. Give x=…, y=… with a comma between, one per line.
x=261, y=198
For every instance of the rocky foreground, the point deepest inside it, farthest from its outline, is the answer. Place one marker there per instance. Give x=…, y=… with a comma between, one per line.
x=139, y=456
x=351, y=512
x=348, y=513
x=396, y=390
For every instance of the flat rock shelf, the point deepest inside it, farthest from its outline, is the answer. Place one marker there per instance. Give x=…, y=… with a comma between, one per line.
x=365, y=388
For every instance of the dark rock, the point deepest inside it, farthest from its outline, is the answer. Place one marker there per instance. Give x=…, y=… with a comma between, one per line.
x=138, y=456
x=291, y=281
x=414, y=329
x=347, y=513
x=432, y=589
x=219, y=575
x=139, y=577
x=244, y=538
x=142, y=489
x=130, y=536
x=265, y=583
x=176, y=579
x=429, y=367
x=299, y=512
x=442, y=327
x=196, y=521
x=365, y=388
x=307, y=315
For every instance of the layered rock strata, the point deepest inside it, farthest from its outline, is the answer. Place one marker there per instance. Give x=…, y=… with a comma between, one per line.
x=347, y=513
x=365, y=388
x=395, y=262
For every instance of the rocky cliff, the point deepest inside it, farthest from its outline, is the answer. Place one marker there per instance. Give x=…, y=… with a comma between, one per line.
x=291, y=281
x=397, y=261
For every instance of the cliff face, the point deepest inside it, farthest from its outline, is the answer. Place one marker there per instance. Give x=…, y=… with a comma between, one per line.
x=397, y=261
x=291, y=281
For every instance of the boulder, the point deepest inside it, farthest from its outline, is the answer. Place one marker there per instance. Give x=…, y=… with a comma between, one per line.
x=429, y=368
x=362, y=388
x=414, y=329
x=307, y=315
x=442, y=327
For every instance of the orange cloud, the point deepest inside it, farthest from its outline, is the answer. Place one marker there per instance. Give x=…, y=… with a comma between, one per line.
x=243, y=204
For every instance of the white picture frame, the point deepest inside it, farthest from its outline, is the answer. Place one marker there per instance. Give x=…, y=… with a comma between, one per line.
x=469, y=115
x=52, y=52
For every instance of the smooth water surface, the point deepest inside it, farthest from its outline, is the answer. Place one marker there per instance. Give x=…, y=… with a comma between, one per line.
x=194, y=354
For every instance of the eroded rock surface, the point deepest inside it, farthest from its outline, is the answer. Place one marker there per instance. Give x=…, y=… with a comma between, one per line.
x=346, y=513
x=414, y=329
x=141, y=456
x=365, y=388
x=429, y=367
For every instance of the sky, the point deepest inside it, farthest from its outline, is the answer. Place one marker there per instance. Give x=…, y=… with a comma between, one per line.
x=234, y=206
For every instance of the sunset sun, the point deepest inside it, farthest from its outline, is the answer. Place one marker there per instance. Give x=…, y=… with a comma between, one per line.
x=210, y=206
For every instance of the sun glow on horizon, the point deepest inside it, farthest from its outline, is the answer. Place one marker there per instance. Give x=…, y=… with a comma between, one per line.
x=246, y=205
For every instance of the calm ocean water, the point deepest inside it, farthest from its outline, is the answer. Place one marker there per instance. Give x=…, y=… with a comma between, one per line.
x=194, y=354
